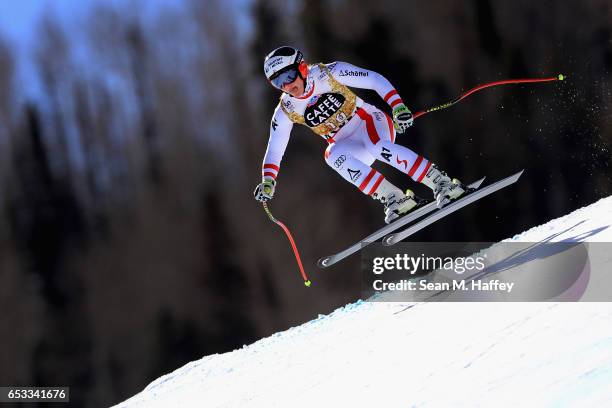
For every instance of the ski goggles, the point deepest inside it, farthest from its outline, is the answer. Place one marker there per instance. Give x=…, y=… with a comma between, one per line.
x=284, y=77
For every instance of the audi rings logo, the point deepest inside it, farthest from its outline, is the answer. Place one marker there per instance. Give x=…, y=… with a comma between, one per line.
x=339, y=161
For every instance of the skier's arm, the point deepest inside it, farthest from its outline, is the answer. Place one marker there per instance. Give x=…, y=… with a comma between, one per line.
x=280, y=130
x=356, y=77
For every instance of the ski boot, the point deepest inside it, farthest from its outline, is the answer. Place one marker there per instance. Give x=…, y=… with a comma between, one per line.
x=397, y=203
x=443, y=187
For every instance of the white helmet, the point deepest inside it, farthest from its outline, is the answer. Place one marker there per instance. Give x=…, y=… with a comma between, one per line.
x=283, y=65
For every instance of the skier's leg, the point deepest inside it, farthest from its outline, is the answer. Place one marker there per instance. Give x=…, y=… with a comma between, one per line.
x=380, y=139
x=344, y=157
x=380, y=143
x=351, y=160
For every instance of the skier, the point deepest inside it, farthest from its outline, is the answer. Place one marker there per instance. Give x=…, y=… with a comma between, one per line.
x=358, y=133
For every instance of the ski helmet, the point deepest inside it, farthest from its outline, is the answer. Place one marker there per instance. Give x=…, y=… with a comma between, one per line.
x=283, y=65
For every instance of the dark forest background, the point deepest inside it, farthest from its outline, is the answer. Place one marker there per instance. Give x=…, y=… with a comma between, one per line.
x=130, y=243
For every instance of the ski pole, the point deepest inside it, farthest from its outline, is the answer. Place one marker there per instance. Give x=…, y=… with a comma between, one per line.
x=293, y=246
x=464, y=95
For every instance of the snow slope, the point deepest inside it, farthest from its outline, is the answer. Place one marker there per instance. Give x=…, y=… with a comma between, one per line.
x=420, y=354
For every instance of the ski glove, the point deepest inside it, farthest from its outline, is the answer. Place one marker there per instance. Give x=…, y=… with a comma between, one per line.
x=402, y=118
x=265, y=190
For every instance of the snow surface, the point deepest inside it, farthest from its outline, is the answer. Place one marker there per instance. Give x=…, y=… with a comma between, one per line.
x=370, y=354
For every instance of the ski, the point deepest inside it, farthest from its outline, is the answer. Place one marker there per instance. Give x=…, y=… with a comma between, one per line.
x=420, y=211
x=451, y=208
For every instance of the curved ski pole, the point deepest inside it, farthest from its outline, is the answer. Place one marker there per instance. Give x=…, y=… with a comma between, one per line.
x=464, y=95
x=293, y=246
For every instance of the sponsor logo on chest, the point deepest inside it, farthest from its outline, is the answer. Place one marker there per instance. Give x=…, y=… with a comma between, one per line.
x=346, y=72
x=322, y=107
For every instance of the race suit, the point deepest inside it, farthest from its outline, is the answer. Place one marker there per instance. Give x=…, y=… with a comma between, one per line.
x=357, y=132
